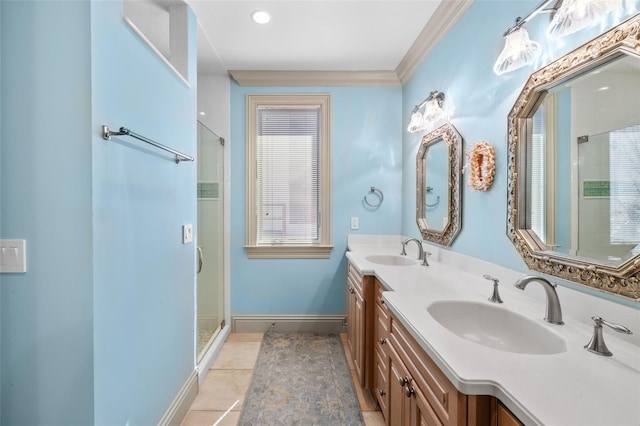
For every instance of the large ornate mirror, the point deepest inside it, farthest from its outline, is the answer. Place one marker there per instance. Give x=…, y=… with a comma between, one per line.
x=438, y=185
x=574, y=165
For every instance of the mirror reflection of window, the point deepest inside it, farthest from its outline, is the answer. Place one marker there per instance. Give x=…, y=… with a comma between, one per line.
x=537, y=174
x=542, y=173
x=624, y=157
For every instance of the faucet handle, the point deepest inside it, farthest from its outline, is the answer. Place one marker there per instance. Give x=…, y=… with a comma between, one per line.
x=490, y=278
x=495, y=296
x=617, y=327
x=404, y=248
x=424, y=258
x=596, y=345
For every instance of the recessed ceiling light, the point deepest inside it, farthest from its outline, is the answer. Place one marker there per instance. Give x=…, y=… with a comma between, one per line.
x=202, y=113
x=261, y=17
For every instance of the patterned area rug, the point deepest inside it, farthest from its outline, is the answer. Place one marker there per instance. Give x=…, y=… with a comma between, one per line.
x=301, y=379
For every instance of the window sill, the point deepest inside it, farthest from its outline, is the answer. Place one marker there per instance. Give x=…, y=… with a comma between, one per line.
x=288, y=252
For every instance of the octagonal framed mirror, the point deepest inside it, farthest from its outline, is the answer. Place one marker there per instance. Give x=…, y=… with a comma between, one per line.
x=573, y=177
x=438, y=173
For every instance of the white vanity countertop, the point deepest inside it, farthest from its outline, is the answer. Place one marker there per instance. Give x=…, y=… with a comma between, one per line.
x=575, y=387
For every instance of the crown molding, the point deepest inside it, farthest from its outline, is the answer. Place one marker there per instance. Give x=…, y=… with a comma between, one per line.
x=315, y=78
x=445, y=17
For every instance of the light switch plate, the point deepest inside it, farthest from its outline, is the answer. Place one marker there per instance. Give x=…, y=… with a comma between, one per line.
x=355, y=223
x=13, y=256
x=187, y=234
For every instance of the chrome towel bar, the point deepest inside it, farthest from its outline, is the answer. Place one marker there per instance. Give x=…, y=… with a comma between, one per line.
x=107, y=133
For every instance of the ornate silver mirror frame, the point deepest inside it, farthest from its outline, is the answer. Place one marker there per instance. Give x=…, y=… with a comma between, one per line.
x=622, y=279
x=449, y=135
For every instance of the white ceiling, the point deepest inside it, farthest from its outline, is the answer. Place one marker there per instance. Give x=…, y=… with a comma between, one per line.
x=309, y=35
x=304, y=35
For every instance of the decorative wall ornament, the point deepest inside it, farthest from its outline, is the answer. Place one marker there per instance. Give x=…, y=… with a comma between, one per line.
x=482, y=165
x=622, y=279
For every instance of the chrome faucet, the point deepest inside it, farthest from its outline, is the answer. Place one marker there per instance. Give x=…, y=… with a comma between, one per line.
x=554, y=313
x=421, y=254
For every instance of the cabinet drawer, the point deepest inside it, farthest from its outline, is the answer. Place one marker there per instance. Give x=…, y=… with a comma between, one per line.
x=438, y=390
x=378, y=293
x=381, y=328
x=355, y=279
x=381, y=384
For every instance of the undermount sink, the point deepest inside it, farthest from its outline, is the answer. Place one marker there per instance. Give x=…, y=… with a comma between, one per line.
x=496, y=327
x=390, y=260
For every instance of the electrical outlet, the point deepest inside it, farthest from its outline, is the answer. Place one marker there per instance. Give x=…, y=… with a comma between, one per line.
x=13, y=256
x=355, y=223
x=187, y=234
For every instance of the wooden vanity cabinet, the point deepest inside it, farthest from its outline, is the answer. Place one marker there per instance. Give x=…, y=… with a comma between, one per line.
x=359, y=328
x=409, y=387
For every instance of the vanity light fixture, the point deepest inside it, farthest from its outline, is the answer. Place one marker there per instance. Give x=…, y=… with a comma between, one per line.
x=433, y=112
x=261, y=17
x=575, y=15
x=569, y=16
x=518, y=51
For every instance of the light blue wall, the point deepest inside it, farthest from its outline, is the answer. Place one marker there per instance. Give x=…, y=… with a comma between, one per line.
x=366, y=151
x=143, y=274
x=461, y=67
x=47, y=315
x=100, y=330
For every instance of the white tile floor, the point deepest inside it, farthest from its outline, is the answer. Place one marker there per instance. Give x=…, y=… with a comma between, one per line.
x=220, y=397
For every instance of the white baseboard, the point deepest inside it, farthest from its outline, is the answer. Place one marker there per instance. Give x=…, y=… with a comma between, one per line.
x=288, y=323
x=210, y=356
x=181, y=404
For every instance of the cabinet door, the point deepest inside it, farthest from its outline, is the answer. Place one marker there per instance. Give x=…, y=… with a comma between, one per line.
x=422, y=412
x=506, y=417
x=351, y=321
x=359, y=336
x=399, y=403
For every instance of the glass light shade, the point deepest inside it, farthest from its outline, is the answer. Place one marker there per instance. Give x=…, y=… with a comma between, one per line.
x=432, y=111
x=518, y=51
x=417, y=123
x=575, y=15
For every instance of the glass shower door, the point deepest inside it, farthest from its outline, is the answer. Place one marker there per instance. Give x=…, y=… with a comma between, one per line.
x=210, y=278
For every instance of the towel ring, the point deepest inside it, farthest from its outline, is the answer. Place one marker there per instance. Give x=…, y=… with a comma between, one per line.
x=429, y=190
x=434, y=204
x=378, y=193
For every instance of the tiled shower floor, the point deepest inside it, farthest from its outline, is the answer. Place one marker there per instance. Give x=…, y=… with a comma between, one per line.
x=221, y=393
x=204, y=335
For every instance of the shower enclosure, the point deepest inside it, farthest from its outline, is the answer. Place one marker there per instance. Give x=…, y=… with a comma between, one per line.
x=210, y=250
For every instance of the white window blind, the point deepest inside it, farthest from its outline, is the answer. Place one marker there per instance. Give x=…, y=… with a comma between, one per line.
x=624, y=157
x=288, y=174
x=538, y=156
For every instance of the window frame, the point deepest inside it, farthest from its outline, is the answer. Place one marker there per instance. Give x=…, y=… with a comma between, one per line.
x=322, y=250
